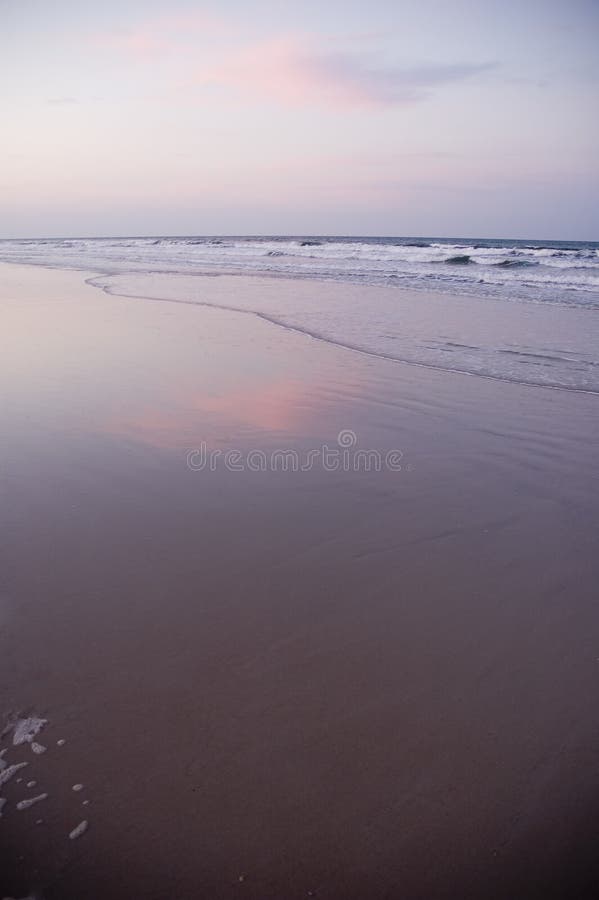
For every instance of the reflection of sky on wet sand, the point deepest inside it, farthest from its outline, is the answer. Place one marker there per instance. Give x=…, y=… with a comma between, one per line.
x=74, y=360
x=268, y=408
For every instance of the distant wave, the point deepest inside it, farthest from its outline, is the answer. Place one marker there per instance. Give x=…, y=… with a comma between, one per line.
x=537, y=272
x=555, y=252
x=515, y=263
x=461, y=260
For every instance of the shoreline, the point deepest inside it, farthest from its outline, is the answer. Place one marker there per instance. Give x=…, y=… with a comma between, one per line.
x=403, y=294
x=333, y=343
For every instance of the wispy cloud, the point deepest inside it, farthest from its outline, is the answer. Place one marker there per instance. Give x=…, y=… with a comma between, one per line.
x=291, y=72
x=171, y=32
x=298, y=69
x=61, y=101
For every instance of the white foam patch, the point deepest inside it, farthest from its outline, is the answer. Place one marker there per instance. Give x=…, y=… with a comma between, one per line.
x=31, y=801
x=37, y=748
x=79, y=830
x=3, y=762
x=2, y=802
x=31, y=784
x=77, y=787
x=7, y=773
x=61, y=742
x=26, y=729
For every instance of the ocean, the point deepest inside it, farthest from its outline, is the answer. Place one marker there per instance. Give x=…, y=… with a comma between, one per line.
x=515, y=310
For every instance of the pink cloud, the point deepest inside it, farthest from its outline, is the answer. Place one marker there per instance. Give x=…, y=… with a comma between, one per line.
x=294, y=69
x=282, y=70
x=289, y=71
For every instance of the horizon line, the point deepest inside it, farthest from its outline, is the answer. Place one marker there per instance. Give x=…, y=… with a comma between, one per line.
x=281, y=235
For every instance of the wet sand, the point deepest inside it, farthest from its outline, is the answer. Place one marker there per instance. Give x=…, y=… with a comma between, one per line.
x=282, y=684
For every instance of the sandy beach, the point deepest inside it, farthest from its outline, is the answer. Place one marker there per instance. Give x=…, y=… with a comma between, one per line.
x=270, y=683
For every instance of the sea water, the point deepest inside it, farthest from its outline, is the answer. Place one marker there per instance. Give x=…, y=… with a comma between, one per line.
x=516, y=310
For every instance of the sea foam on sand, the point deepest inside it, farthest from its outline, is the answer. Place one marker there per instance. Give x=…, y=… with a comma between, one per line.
x=26, y=729
x=30, y=801
x=79, y=830
x=7, y=773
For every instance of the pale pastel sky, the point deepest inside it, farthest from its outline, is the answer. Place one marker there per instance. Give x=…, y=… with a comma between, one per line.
x=388, y=117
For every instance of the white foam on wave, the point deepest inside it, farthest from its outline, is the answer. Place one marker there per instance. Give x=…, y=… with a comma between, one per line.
x=30, y=801
x=557, y=272
x=2, y=803
x=77, y=788
x=38, y=748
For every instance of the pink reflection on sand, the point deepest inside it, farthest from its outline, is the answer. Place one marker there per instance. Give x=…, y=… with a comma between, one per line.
x=277, y=407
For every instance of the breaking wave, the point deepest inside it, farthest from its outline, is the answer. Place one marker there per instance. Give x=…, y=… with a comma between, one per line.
x=548, y=272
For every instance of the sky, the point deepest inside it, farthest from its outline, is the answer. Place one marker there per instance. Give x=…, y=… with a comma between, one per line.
x=387, y=117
